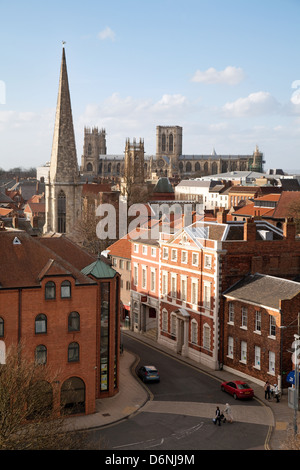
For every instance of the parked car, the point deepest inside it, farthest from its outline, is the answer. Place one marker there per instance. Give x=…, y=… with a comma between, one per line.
x=148, y=374
x=237, y=389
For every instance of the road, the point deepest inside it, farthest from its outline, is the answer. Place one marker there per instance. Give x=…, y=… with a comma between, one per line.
x=178, y=415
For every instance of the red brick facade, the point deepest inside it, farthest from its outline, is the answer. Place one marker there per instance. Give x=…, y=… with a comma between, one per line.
x=64, y=324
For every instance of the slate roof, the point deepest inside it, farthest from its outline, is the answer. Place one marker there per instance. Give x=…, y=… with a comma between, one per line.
x=263, y=290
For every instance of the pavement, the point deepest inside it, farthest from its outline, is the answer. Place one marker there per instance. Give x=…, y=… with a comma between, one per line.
x=134, y=396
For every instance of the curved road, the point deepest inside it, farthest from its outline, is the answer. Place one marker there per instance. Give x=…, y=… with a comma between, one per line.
x=178, y=415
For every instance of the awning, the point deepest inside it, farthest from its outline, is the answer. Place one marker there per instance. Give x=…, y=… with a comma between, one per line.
x=290, y=378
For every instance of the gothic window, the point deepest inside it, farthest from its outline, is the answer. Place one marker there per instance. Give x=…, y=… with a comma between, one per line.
x=89, y=167
x=89, y=149
x=109, y=168
x=118, y=168
x=214, y=168
x=188, y=167
x=171, y=143
x=197, y=166
x=163, y=143
x=1, y=327
x=61, y=212
x=180, y=166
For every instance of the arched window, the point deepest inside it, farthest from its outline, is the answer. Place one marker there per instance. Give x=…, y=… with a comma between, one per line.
x=188, y=167
x=61, y=212
x=89, y=149
x=89, y=167
x=163, y=143
x=171, y=143
x=73, y=352
x=1, y=327
x=40, y=324
x=65, y=289
x=50, y=290
x=72, y=396
x=41, y=354
x=181, y=166
x=197, y=166
x=74, y=321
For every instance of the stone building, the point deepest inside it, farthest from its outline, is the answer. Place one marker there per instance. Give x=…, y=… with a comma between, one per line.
x=169, y=160
x=63, y=188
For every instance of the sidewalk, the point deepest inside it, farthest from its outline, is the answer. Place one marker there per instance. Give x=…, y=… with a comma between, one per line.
x=133, y=395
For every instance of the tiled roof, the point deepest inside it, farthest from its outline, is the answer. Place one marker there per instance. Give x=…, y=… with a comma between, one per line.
x=283, y=206
x=121, y=248
x=263, y=290
x=24, y=259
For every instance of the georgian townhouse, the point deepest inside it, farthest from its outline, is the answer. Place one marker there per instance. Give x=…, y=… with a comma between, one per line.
x=144, y=284
x=259, y=327
x=62, y=305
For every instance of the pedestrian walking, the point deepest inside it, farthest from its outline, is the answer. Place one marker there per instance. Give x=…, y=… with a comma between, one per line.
x=267, y=391
x=228, y=413
x=218, y=416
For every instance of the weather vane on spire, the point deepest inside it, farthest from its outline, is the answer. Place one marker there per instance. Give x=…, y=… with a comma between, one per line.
x=63, y=42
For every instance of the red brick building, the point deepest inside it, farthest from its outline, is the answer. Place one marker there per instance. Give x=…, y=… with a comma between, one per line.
x=259, y=326
x=196, y=265
x=62, y=305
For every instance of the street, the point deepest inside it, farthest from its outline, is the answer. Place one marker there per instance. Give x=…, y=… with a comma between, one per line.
x=178, y=415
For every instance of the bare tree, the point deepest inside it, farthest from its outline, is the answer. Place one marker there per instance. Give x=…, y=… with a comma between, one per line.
x=30, y=417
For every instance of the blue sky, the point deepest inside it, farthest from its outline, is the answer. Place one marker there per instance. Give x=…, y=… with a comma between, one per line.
x=226, y=71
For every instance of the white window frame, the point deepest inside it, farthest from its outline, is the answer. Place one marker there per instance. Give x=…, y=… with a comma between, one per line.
x=194, y=332
x=207, y=298
x=244, y=320
x=144, y=277
x=164, y=283
x=145, y=250
x=257, y=356
x=135, y=274
x=195, y=262
x=206, y=336
x=173, y=286
x=173, y=325
x=165, y=320
x=183, y=288
x=258, y=321
x=136, y=248
x=272, y=327
x=194, y=293
x=174, y=255
x=184, y=257
x=153, y=252
x=153, y=280
x=207, y=261
x=271, y=363
x=231, y=313
x=230, y=347
x=243, y=352
x=165, y=252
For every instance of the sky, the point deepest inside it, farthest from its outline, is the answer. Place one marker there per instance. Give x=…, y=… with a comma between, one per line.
x=227, y=72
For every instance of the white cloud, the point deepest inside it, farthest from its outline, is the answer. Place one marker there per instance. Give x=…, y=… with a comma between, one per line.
x=230, y=76
x=255, y=104
x=107, y=33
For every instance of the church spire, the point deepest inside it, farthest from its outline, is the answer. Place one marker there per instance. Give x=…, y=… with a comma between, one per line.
x=63, y=164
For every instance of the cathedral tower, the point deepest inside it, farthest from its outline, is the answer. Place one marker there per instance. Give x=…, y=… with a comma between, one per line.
x=94, y=146
x=63, y=189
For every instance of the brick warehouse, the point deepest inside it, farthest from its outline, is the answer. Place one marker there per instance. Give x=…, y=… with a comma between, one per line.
x=196, y=266
x=62, y=305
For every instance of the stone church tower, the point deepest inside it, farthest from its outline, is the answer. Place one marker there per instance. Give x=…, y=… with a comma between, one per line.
x=134, y=165
x=63, y=189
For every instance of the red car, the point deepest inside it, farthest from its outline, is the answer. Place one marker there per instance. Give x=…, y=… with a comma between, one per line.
x=237, y=389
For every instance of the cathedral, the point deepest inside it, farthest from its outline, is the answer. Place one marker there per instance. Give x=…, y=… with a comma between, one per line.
x=64, y=181
x=169, y=159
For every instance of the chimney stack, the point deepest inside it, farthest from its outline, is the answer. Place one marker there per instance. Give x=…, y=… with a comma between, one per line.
x=250, y=230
